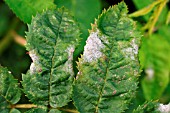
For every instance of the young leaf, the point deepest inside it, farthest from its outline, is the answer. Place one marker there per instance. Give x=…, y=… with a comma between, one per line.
x=51, y=41
x=25, y=9
x=9, y=90
x=109, y=67
x=84, y=11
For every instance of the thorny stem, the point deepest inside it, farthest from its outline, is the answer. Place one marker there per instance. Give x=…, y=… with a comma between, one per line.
x=28, y=106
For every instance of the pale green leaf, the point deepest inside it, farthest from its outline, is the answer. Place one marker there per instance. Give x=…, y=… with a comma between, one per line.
x=109, y=67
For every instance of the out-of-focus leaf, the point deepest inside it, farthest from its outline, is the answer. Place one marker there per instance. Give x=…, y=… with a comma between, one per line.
x=18, y=64
x=14, y=111
x=146, y=3
x=145, y=10
x=9, y=90
x=168, y=18
x=154, y=57
x=5, y=13
x=55, y=111
x=164, y=31
x=85, y=11
x=25, y=9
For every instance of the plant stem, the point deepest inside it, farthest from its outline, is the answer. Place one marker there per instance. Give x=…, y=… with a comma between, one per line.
x=18, y=39
x=28, y=106
x=23, y=106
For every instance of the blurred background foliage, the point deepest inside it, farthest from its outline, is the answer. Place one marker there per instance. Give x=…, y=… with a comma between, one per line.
x=152, y=18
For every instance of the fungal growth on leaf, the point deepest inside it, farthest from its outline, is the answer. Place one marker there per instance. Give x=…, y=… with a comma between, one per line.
x=93, y=47
x=51, y=40
x=164, y=108
x=109, y=66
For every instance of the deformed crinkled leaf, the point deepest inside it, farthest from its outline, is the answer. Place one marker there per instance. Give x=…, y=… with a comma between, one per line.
x=51, y=41
x=9, y=90
x=25, y=9
x=109, y=67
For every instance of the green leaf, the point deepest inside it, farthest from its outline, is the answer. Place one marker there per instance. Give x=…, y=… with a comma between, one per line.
x=9, y=90
x=109, y=67
x=25, y=9
x=15, y=111
x=154, y=57
x=41, y=110
x=147, y=107
x=51, y=41
x=84, y=11
x=37, y=110
x=55, y=111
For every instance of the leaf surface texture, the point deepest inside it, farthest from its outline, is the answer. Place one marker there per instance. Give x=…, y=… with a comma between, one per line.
x=109, y=66
x=51, y=41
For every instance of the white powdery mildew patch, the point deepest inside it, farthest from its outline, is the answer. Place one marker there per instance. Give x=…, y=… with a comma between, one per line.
x=35, y=66
x=150, y=73
x=69, y=64
x=164, y=108
x=131, y=51
x=92, y=49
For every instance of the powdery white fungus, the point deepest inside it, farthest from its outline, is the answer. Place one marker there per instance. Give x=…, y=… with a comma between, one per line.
x=135, y=47
x=33, y=55
x=92, y=49
x=69, y=65
x=131, y=51
x=164, y=108
x=150, y=73
x=35, y=65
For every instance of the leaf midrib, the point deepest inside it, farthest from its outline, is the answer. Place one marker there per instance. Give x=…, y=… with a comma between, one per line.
x=106, y=74
x=52, y=59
